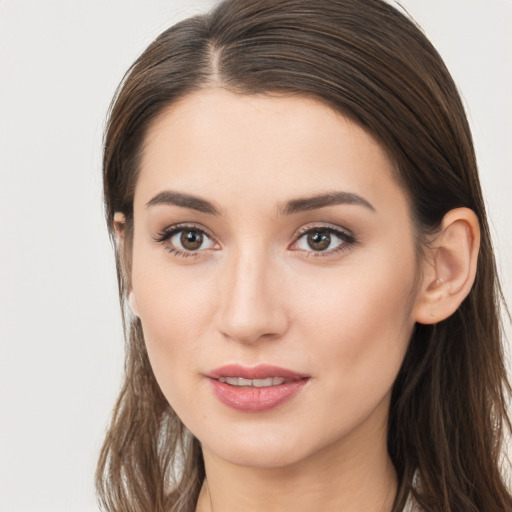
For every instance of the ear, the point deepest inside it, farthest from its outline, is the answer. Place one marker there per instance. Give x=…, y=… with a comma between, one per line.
x=120, y=230
x=450, y=267
x=132, y=302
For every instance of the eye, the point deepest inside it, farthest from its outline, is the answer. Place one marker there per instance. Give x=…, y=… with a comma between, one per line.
x=185, y=241
x=324, y=241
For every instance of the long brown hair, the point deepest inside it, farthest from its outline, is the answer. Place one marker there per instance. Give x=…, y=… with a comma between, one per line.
x=370, y=62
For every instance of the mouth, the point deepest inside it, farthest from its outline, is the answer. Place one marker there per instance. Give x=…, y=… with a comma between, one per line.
x=256, y=383
x=262, y=372
x=255, y=389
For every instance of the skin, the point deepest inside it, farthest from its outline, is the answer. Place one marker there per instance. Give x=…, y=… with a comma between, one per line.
x=256, y=292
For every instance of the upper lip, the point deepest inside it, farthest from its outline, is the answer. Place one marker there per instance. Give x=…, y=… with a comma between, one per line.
x=262, y=371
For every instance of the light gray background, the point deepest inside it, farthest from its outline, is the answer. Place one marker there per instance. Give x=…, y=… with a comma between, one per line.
x=61, y=339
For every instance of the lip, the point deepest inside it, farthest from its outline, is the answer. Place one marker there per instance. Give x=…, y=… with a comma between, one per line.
x=256, y=399
x=262, y=371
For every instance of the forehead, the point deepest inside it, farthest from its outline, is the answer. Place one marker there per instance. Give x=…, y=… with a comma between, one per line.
x=260, y=149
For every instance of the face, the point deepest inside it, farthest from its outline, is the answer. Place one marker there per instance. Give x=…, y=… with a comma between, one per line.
x=273, y=270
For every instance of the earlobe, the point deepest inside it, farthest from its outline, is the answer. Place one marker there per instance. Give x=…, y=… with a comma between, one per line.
x=132, y=302
x=451, y=267
x=119, y=223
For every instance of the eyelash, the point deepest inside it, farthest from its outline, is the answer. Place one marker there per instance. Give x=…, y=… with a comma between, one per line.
x=347, y=240
x=169, y=232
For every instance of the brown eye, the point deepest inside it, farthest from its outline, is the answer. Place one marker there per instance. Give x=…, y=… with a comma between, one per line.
x=319, y=240
x=191, y=240
x=324, y=241
x=185, y=241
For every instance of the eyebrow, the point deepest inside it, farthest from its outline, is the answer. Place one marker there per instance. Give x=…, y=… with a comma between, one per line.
x=288, y=208
x=184, y=200
x=322, y=200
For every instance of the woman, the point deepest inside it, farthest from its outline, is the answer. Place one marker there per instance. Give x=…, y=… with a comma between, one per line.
x=302, y=246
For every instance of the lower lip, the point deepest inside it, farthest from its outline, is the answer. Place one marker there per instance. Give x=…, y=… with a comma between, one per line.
x=253, y=399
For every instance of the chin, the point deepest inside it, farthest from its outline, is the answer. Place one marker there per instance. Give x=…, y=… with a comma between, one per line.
x=260, y=457
x=260, y=445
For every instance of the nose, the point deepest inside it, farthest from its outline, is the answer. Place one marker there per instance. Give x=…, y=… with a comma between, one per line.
x=252, y=299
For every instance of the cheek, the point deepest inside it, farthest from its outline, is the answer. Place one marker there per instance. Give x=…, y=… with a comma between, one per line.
x=171, y=313
x=172, y=302
x=168, y=309
x=361, y=325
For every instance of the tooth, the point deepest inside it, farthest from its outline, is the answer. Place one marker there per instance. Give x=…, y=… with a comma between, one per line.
x=257, y=383
x=261, y=383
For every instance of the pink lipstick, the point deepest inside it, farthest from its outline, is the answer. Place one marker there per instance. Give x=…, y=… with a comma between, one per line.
x=255, y=389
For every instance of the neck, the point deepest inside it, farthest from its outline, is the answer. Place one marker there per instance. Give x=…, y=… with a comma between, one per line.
x=354, y=474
